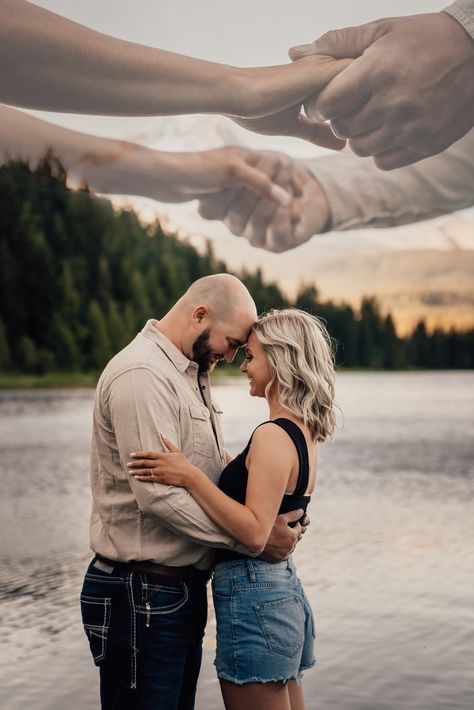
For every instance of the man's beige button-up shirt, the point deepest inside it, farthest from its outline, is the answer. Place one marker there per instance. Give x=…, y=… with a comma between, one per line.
x=149, y=388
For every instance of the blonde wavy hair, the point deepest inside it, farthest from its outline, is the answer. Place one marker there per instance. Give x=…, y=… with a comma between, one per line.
x=300, y=354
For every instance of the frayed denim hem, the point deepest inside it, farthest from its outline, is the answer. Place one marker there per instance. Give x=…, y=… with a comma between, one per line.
x=253, y=679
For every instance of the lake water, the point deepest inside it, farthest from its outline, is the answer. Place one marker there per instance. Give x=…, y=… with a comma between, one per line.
x=388, y=562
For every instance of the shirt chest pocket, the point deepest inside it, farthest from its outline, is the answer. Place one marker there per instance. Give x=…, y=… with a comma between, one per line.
x=203, y=435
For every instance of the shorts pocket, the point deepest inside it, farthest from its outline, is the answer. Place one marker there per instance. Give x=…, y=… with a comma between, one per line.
x=283, y=623
x=96, y=620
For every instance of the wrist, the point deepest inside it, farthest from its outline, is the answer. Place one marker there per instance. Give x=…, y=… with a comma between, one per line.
x=194, y=477
x=258, y=91
x=324, y=210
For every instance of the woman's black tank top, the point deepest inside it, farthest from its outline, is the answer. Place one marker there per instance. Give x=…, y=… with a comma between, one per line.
x=234, y=477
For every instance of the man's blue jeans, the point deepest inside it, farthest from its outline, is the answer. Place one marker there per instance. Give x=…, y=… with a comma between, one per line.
x=145, y=633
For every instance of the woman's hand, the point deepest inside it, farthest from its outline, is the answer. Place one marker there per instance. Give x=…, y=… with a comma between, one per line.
x=275, y=96
x=170, y=467
x=189, y=176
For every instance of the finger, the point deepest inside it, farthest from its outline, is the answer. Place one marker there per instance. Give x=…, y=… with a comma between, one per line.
x=280, y=236
x=256, y=228
x=245, y=201
x=355, y=123
x=296, y=184
x=317, y=133
x=281, y=231
x=257, y=182
x=216, y=206
x=374, y=143
x=292, y=516
x=340, y=43
x=396, y=158
x=146, y=454
x=347, y=92
x=143, y=463
x=260, y=219
x=144, y=472
x=148, y=479
x=305, y=523
x=169, y=444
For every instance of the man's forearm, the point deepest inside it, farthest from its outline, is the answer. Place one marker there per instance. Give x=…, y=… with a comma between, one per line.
x=359, y=195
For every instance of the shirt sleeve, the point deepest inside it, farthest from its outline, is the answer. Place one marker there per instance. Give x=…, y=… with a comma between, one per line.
x=361, y=195
x=463, y=12
x=142, y=405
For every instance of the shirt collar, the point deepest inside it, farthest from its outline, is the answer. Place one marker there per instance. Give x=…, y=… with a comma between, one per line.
x=174, y=354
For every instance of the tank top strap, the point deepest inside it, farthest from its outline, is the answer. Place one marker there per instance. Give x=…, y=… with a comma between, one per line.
x=298, y=438
x=246, y=450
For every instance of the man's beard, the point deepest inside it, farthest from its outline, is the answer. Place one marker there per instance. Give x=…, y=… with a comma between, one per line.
x=202, y=353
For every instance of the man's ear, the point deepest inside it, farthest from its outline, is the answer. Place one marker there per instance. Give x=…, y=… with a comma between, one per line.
x=200, y=314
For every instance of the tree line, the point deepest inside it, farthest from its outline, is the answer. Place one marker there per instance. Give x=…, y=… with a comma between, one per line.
x=78, y=279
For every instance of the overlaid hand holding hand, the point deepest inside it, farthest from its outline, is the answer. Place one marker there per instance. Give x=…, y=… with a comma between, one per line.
x=407, y=95
x=192, y=175
x=262, y=222
x=278, y=85
x=53, y=64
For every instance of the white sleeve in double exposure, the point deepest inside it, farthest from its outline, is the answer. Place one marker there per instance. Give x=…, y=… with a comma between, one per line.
x=463, y=12
x=361, y=195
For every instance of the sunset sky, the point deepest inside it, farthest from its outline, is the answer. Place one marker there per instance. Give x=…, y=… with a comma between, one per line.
x=250, y=33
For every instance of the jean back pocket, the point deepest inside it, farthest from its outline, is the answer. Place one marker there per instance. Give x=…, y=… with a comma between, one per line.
x=96, y=620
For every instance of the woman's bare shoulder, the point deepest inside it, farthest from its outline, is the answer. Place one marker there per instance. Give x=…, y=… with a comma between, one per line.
x=271, y=439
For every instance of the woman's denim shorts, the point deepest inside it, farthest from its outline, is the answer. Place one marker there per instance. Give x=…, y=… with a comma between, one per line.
x=265, y=628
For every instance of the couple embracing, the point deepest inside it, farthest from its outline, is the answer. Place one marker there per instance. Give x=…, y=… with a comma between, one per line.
x=171, y=508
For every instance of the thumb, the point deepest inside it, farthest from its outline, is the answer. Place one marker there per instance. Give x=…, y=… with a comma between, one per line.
x=317, y=133
x=168, y=444
x=343, y=43
x=293, y=515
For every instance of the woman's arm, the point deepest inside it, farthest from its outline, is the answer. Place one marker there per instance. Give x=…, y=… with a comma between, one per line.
x=53, y=64
x=119, y=167
x=269, y=463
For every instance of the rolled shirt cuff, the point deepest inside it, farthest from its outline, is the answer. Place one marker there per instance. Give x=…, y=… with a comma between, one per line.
x=463, y=12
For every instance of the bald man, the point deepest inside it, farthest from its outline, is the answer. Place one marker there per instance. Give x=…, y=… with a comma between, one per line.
x=144, y=601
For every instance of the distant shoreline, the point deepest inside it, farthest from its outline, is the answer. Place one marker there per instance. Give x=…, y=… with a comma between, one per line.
x=49, y=380
x=76, y=380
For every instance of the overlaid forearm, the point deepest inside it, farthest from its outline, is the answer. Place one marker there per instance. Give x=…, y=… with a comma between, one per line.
x=360, y=195
x=119, y=167
x=56, y=64
x=108, y=166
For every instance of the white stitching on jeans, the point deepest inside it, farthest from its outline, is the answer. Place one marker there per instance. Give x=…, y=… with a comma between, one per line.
x=133, y=684
x=96, y=629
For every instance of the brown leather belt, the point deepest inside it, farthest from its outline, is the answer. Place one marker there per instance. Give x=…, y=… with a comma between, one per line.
x=184, y=574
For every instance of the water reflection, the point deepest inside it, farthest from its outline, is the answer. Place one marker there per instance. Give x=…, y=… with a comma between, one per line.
x=387, y=562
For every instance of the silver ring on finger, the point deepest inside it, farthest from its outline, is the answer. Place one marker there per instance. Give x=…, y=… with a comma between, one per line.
x=339, y=129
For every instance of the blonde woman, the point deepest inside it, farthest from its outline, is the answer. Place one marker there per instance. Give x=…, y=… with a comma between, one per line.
x=265, y=629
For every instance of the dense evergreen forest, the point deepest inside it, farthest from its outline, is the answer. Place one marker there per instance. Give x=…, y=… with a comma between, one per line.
x=78, y=279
